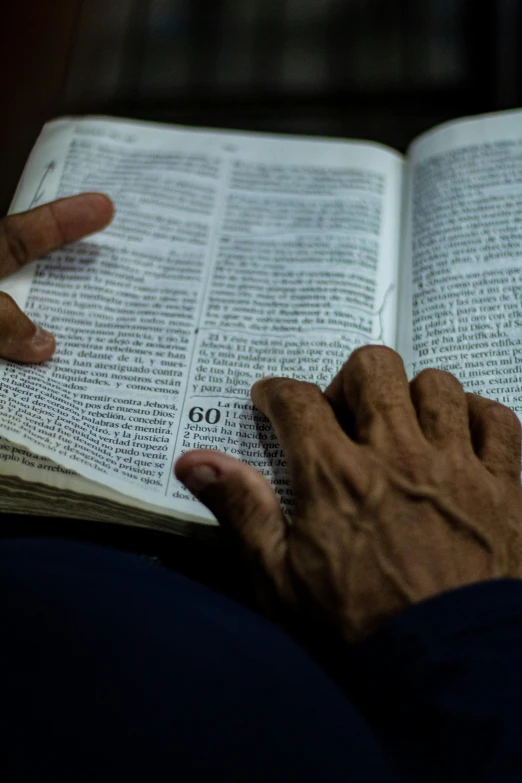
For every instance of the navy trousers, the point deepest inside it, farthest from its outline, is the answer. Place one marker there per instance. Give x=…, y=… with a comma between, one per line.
x=115, y=668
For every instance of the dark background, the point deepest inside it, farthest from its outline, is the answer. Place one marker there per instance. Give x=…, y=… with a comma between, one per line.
x=376, y=69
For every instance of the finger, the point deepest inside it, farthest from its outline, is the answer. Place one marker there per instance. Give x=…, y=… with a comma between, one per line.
x=334, y=393
x=29, y=235
x=496, y=436
x=373, y=385
x=242, y=501
x=442, y=409
x=20, y=339
x=306, y=427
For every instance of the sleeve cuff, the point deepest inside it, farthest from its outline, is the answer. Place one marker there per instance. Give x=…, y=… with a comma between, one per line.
x=421, y=629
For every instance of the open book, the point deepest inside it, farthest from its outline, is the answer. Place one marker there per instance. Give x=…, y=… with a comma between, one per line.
x=238, y=255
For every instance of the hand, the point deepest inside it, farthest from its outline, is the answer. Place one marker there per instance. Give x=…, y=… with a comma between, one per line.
x=27, y=236
x=419, y=492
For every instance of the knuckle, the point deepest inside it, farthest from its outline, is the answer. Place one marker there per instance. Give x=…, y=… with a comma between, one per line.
x=367, y=353
x=426, y=376
x=369, y=357
x=434, y=379
x=285, y=394
x=502, y=416
x=55, y=224
x=15, y=246
x=432, y=374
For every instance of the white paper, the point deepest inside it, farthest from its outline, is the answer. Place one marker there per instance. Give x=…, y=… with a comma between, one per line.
x=232, y=256
x=465, y=211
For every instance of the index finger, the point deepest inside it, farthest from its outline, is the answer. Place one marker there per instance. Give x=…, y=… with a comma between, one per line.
x=373, y=388
x=28, y=235
x=306, y=427
x=496, y=436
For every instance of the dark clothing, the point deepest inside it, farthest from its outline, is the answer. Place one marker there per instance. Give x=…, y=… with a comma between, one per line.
x=116, y=669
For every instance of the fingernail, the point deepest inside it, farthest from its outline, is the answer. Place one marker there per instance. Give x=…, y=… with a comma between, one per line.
x=41, y=338
x=200, y=478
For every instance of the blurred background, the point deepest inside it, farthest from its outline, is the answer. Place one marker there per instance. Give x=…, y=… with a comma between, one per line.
x=375, y=69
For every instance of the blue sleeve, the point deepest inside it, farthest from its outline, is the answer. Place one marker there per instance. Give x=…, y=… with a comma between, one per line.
x=443, y=684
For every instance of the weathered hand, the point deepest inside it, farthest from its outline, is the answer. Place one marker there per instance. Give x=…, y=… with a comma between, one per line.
x=23, y=238
x=417, y=493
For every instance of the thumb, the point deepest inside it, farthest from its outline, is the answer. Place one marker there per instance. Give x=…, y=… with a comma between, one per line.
x=241, y=499
x=20, y=339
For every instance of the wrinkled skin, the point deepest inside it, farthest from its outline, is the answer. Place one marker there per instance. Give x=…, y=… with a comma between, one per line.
x=403, y=491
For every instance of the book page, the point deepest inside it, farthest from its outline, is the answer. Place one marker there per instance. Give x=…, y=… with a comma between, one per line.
x=464, y=304
x=232, y=256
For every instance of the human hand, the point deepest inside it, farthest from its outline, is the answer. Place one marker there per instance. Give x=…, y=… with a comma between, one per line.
x=418, y=493
x=27, y=236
